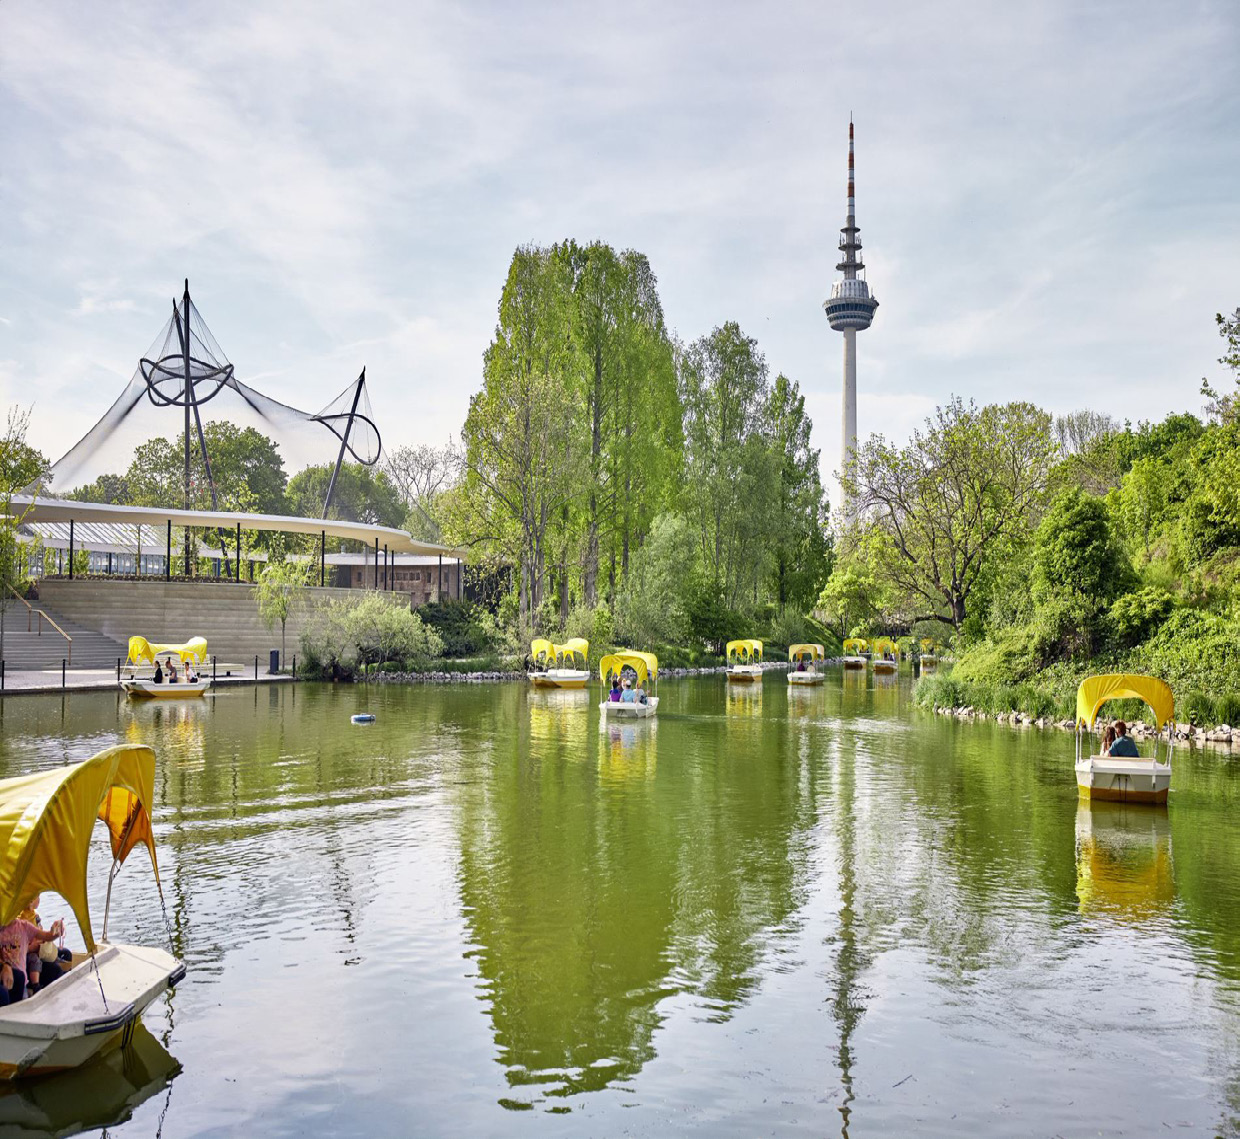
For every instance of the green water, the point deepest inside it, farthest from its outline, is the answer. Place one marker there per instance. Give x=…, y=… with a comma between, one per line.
x=766, y=912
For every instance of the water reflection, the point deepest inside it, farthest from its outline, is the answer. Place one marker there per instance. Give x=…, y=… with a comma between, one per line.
x=1123, y=860
x=101, y=1093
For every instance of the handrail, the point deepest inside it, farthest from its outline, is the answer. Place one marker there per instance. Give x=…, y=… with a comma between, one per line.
x=30, y=609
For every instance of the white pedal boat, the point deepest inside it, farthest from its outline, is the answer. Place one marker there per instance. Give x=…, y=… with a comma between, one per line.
x=45, y=828
x=854, y=648
x=1122, y=779
x=65, y=1024
x=744, y=660
x=811, y=657
x=619, y=710
x=560, y=678
x=147, y=688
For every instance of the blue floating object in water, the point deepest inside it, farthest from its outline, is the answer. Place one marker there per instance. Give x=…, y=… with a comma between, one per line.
x=364, y=718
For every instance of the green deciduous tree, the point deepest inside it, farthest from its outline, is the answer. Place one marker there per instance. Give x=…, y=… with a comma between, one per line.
x=361, y=494
x=966, y=488
x=278, y=589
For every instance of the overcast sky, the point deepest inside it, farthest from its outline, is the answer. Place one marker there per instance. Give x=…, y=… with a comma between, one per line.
x=1047, y=193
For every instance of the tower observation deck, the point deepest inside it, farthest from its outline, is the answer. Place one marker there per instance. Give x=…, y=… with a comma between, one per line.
x=850, y=308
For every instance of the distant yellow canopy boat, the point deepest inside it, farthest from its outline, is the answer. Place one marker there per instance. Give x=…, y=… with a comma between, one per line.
x=744, y=659
x=806, y=661
x=928, y=655
x=1127, y=779
x=145, y=685
x=563, y=666
x=854, y=647
x=644, y=667
x=883, y=655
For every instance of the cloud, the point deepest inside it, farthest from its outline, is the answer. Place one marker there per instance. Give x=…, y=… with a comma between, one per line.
x=1045, y=193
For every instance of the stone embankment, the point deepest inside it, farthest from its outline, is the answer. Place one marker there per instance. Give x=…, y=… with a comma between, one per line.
x=1221, y=736
x=509, y=674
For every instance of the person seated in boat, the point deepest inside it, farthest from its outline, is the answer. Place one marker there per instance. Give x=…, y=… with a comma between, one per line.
x=40, y=972
x=628, y=696
x=1108, y=738
x=614, y=694
x=800, y=664
x=172, y=672
x=1123, y=746
x=159, y=674
x=639, y=693
x=16, y=938
x=191, y=677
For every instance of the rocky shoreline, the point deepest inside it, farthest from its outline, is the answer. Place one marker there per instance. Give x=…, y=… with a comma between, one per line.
x=1220, y=736
x=439, y=677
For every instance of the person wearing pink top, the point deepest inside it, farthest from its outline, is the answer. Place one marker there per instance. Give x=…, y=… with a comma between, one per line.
x=16, y=938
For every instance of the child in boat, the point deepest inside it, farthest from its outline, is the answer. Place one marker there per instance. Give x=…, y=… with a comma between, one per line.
x=628, y=696
x=16, y=938
x=1123, y=746
x=40, y=973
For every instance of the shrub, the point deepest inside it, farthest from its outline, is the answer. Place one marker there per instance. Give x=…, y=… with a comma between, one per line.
x=1227, y=709
x=466, y=629
x=1197, y=708
x=1134, y=616
x=352, y=632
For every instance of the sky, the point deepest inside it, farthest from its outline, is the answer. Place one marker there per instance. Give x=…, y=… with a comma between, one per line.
x=1047, y=193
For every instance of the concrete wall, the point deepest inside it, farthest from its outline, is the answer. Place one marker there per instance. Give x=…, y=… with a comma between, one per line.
x=223, y=612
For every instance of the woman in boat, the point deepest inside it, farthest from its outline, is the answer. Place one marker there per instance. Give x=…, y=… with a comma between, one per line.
x=639, y=693
x=172, y=672
x=159, y=673
x=1108, y=738
x=1123, y=746
x=39, y=973
x=191, y=676
x=16, y=938
x=615, y=694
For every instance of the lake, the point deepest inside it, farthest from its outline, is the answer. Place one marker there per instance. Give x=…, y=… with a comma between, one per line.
x=766, y=912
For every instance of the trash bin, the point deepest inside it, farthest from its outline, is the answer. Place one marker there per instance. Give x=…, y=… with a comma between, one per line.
x=274, y=667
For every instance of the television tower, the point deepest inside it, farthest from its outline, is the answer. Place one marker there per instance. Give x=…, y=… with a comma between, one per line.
x=850, y=308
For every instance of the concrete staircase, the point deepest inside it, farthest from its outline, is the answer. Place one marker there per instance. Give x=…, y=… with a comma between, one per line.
x=225, y=613
x=31, y=643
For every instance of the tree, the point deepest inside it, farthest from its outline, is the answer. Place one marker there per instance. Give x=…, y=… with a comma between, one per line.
x=968, y=486
x=802, y=547
x=522, y=458
x=278, y=589
x=1225, y=407
x=422, y=474
x=362, y=494
x=20, y=465
x=651, y=606
x=1075, y=550
x=732, y=477
x=853, y=598
x=1079, y=431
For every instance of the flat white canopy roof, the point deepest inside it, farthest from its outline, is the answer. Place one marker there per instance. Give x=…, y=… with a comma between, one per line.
x=64, y=509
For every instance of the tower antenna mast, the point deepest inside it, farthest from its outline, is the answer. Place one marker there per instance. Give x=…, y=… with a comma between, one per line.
x=850, y=309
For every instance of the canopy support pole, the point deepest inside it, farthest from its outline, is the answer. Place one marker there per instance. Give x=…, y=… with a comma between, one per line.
x=344, y=441
x=168, y=560
x=376, y=563
x=70, y=549
x=238, y=553
x=323, y=559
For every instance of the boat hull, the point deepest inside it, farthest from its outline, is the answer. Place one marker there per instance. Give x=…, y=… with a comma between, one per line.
x=618, y=710
x=805, y=678
x=854, y=662
x=886, y=666
x=560, y=678
x=744, y=673
x=1120, y=780
x=64, y=1025
x=149, y=690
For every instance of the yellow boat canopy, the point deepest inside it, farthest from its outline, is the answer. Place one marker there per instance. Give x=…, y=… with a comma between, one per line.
x=1097, y=690
x=856, y=645
x=541, y=650
x=141, y=649
x=644, y=664
x=746, y=645
x=575, y=646
x=882, y=645
x=811, y=652
x=927, y=644
x=46, y=821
